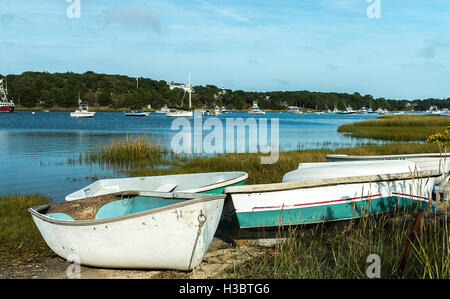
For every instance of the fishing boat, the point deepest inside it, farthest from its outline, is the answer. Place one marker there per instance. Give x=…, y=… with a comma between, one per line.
x=136, y=113
x=224, y=110
x=5, y=104
x=213, y=182
x=428, y=162
x=255, y=109
x=332, y=191
x=370, y=111
x=363, y=110
x=83, y=111
x=163, y=110
x=335, y=111
x=184, y=113
x=294, y=110
x=212, y=112
x=382, y=111
x=348, y=110
x=132, y=231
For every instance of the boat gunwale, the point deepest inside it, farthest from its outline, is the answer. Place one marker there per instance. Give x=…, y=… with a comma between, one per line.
x=261, y=188
x=197, y=198
x=387, y=157
x=242, y=177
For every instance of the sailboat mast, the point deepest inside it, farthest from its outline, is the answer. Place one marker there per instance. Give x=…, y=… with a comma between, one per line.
x=189, y=91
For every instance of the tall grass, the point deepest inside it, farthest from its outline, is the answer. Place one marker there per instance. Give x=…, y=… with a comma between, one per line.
x=261, y=173
x=18, y=234
x=342, y=251
x=397, y=127
x=130, y=152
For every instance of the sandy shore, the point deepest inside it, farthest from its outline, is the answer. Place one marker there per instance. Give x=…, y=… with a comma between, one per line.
x=220, y=256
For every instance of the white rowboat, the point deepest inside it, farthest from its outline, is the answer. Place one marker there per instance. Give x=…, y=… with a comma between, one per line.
x=213, y=182
x=323, y=192
x=427, y=162
x=158, y=231
x=136, y=113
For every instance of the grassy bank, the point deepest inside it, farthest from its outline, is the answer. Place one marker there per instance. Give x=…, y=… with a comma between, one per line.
x=397, y=127
x=19, y=237
x=260, y=173
x=130, y=152
x=342, y=251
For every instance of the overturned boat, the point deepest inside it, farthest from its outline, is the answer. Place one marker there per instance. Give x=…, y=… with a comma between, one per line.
x=213, y=182
x=129, y=230
x=332, y=191
x=428, y=162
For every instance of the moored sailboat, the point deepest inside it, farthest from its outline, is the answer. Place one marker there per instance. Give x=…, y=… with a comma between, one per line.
x=255, y=109
x=184, y=113
x=82, y=111
x=5, y=104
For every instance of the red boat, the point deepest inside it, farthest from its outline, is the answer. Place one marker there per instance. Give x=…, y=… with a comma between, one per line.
x=5, y=105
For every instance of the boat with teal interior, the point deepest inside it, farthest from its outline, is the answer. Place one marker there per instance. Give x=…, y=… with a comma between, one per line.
x=212, y=182
x=131, y=230
x=332, y=191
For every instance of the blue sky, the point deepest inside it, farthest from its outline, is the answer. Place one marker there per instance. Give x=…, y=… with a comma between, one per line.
x=254, y=45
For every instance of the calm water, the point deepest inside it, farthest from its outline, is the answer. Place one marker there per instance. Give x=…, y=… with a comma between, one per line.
x=34, y=148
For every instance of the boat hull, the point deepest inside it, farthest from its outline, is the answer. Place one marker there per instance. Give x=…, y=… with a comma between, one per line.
x=426, y=162
x=175, y=237
x=6, y=108
x=327, y=203
x=213, y=183
x=82, y=115
x=180, y=114
x=137, y=114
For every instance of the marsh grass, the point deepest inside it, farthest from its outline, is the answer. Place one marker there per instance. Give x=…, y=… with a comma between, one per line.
x=129, y=152
x=341, y=250
x=19, y=236
x=288, y=161
x=397, y=127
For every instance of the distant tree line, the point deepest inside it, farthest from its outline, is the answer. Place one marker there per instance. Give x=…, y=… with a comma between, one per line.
x=43, y=89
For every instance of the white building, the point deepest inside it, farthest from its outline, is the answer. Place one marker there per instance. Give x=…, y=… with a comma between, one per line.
x=183, y=86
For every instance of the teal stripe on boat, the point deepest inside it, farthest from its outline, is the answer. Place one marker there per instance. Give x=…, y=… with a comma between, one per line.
x=220, y=190
x=334, y=212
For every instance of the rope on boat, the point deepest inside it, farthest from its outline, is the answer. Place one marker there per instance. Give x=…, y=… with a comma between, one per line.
x=201, y=221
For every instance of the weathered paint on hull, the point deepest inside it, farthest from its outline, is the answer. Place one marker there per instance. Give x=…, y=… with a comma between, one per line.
x=329, y=212
x=220, y=190
x=172, y=238
x=7, y=109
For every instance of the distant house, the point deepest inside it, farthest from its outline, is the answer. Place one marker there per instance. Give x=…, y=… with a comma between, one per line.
x=220, y=93
x=183, y=86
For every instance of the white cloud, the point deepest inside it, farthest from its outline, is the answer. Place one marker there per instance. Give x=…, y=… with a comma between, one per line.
x=225, y=12
x=134, y=16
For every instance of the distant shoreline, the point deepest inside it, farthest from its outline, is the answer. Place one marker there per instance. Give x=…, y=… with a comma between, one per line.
x=108, y=109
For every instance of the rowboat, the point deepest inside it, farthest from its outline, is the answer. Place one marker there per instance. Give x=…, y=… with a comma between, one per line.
x=431, y=161
x=332, y=191
x=213, y=182
x=163, y=110
x=136, y=113
x=128, y=230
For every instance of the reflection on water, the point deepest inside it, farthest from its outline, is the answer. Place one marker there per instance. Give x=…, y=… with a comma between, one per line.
x=34, y=149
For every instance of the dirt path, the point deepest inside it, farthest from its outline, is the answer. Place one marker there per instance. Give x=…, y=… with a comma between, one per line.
x=219, y=256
